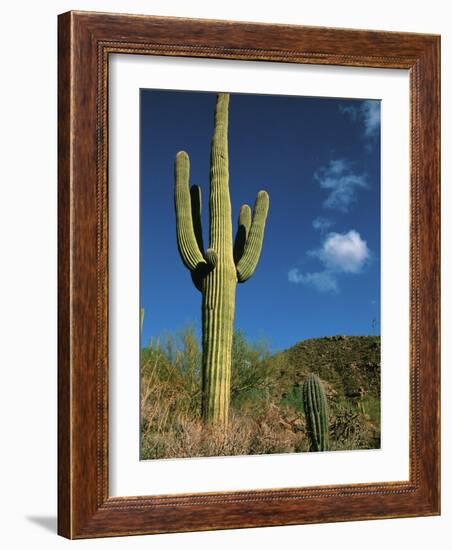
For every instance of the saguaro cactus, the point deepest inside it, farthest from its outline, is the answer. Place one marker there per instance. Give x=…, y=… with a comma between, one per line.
x=316, y=411
x=216, y=272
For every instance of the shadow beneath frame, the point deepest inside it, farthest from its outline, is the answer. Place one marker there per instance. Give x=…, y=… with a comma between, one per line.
x=49, y=523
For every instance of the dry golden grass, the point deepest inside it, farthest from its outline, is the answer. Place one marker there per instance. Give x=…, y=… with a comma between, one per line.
x=189, y=437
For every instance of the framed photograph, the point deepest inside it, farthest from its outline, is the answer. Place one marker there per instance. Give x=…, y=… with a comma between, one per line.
x=248, y=275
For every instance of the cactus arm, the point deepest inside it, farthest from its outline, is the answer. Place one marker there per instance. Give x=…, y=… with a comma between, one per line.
x=211, y=258
x=199, y=274
x=196, y=210
x=243, y=229
x=186, y=239
x=253, y=245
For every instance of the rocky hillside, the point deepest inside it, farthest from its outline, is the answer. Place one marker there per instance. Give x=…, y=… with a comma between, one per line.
x=349, y=367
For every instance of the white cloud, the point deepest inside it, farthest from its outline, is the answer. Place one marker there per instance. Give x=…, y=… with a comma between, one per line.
x=323, y=281
x=339, y=179
x=337, y=166
x=322, y=224
x=340, y=253
x=370, y=111
x=367, y=113
x=343, y=252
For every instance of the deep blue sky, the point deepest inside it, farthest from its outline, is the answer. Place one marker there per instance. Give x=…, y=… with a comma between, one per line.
x=319, y=160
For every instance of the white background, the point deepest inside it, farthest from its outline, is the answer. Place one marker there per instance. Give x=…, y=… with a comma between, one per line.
x=28, y=271
x=128, y=475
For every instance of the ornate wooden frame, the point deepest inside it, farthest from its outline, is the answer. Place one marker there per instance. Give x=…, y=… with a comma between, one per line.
x=85, y=42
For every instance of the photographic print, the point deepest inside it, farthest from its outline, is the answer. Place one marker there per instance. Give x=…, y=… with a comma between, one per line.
x=259, y=274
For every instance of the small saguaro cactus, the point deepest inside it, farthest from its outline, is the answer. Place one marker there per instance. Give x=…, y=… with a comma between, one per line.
x=216, y=271
x=316, y=411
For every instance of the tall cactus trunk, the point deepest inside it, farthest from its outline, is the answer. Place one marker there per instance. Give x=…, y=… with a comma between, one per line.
x=217, y=271
x=219, y=285
x=217, y=330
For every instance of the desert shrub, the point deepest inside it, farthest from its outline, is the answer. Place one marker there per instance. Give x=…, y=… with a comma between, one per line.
x=252, y=374
x=352, y=429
